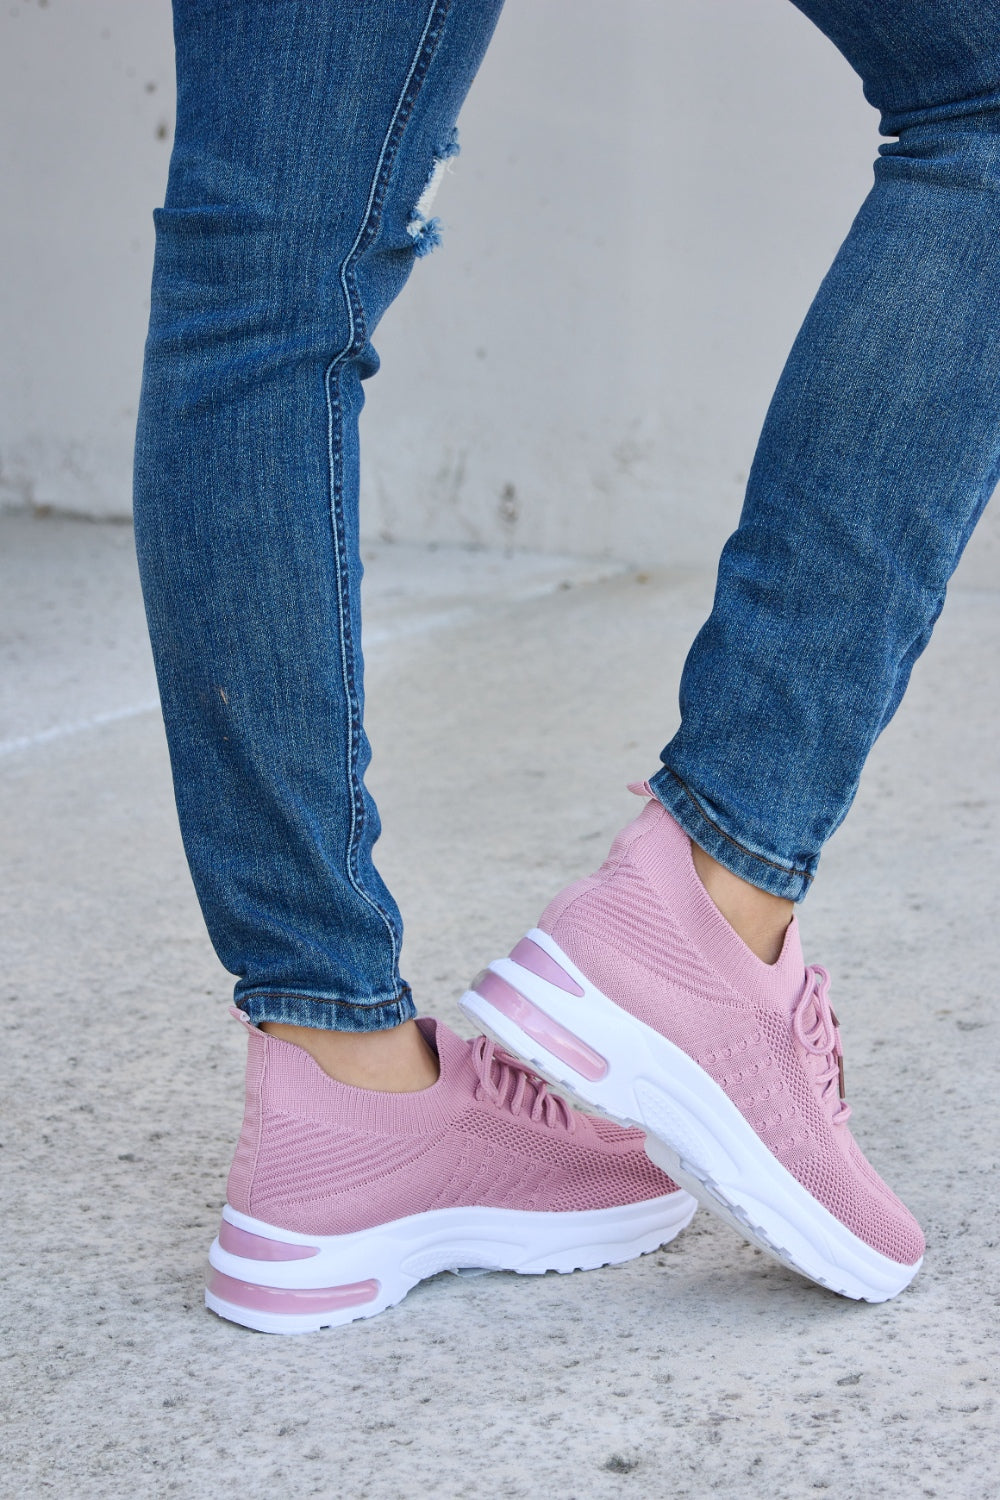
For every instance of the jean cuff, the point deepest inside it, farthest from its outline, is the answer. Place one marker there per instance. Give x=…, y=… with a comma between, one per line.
x=703, y=825
x=325, y=1013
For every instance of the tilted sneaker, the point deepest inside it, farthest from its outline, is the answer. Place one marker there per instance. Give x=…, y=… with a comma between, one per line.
x=341, y=1199
x=635, y=992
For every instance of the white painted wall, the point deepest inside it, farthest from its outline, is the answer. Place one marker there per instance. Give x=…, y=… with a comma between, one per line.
x=648, y=195
x=86, y=117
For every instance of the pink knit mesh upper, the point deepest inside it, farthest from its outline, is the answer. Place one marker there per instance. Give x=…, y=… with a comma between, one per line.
x=645, y=931
x=318, y=1157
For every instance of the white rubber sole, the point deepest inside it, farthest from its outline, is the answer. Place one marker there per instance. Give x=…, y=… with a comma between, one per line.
x=693, y=1129
x=343, y=1277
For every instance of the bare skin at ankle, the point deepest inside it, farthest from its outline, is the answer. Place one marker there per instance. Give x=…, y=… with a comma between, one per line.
x=756, y=916
x=392, y=1062
x=399, y=1061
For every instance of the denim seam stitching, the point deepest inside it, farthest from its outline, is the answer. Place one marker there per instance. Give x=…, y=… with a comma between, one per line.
x=397, y=999
x=785, y=869
x=355, y=341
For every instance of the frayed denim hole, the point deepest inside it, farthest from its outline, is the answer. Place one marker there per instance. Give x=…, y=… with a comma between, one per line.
x=425, y=231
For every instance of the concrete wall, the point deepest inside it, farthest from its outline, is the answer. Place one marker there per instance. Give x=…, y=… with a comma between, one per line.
x=86, y=118
x=647, y=197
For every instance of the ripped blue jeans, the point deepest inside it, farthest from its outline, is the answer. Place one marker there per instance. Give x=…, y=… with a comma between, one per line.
x=307, y=135
x=308, y=138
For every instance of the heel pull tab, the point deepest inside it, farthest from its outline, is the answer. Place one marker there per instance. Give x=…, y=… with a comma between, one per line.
x=641, y=789
x=241, y=1015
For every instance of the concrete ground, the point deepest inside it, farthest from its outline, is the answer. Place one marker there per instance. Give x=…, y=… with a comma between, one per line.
x=507, y=713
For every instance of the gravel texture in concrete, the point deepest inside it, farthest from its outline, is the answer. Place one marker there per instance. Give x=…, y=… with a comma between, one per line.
x=510, y=700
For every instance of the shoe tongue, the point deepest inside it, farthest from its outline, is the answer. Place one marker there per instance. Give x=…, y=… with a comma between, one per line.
x=454, y=1054
x=786, y=976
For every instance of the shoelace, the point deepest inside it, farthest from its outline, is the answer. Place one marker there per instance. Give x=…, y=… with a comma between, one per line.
x=498, y=1070
x=815, y=1027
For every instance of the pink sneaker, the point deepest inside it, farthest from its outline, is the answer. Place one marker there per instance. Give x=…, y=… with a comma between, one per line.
x=342, y=1199
x=637, y=995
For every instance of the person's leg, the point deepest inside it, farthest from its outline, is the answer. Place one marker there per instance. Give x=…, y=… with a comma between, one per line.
x=695, y=1016
x=879, y=451
x=306, y=137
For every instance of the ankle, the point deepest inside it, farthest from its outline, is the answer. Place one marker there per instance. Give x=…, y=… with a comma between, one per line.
x=756, y=916
x=398, y=1061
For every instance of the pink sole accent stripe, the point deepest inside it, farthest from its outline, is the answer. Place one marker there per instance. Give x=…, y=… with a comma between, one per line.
x=256, y=1247
x=530, y=956
x=280, y=1299
x=540, y=1027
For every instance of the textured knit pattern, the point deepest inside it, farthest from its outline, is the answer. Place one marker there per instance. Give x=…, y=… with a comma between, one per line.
x=318, y=1157
x=644, y=930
